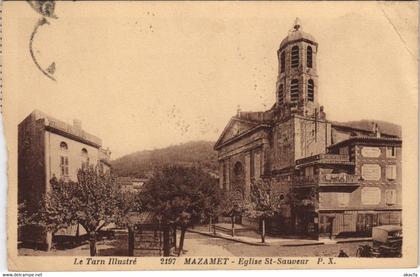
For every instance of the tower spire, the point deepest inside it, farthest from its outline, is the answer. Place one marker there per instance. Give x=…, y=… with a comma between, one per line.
x=297, y=24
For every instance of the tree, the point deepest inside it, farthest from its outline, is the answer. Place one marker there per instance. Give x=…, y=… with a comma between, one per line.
x=233, y=205
x=181, y=196
x=93, y=202
x=262, y=203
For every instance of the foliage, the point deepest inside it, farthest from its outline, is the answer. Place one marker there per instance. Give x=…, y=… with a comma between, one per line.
x=262, y=202
x=23, y=218
x=303, y=200
x=233, y=203
x=181, y=195
x=93, y=202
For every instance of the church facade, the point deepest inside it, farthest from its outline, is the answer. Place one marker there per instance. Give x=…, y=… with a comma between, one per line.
x=331, y=178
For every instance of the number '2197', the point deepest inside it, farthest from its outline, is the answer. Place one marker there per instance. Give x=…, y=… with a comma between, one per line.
x=167, y=260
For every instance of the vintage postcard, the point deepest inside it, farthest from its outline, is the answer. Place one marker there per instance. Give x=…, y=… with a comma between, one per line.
x=211, y=135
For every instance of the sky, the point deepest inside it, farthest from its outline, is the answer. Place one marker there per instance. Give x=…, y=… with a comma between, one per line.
x=144, y=75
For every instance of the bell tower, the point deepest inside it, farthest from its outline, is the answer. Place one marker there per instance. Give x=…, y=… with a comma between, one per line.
x=297, y=81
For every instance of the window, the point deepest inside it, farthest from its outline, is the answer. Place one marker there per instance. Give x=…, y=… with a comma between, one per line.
x=282, y=61
x=309, y=57
x=391, y=152
x=294, y=91
x=63, y=146
x=390, y=196
x=84, y=158
x=309, y=171
x=311, y=90
x=64, y=166
x=295, y=56
x=281, y=94
x=64, y=160
x=391, y=172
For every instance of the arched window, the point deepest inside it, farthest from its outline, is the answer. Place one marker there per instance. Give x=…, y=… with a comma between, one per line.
x=294, y=91
x=85, y=158
x=282, y=61
x=295, y=56
x=63, y=146
x=311, y=90
x=309, y=57
x=281, y=94
x=64, y=160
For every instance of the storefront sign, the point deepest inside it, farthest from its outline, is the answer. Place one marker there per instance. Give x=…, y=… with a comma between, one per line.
x=371, y=196
x=371, y=152
x=371, y=172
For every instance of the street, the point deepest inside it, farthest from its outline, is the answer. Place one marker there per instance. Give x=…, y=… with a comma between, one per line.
x=201, y=245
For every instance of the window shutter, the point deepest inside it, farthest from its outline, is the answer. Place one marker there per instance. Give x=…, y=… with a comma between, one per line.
x=391, y=172
x=391, y=196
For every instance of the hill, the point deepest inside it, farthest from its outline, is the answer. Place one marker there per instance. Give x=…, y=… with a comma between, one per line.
x=384, y=127
x=141, y=163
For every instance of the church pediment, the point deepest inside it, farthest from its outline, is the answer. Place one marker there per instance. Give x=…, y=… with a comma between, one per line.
x=234, y=128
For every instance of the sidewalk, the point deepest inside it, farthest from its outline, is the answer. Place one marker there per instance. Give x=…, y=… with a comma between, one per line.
x=269, y=240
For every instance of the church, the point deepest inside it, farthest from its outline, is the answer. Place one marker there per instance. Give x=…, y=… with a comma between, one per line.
x=332, y=178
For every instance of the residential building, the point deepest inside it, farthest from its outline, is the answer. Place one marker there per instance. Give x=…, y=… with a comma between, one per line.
x=47, y=148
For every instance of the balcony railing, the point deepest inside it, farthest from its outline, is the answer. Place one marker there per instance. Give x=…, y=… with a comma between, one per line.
x=325, y=158
x=328, y=178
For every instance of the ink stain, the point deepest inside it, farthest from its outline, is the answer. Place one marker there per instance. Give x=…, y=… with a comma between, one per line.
x=46, y=8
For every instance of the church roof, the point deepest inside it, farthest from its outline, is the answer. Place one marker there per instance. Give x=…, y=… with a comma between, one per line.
x=250, y=122
x=296, y=34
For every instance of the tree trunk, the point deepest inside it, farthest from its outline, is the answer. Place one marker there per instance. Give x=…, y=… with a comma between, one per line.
x=181, y=240
x=233, y=226
x=263, y=230
x=166, y=246
x=210, y=221
x=130, y=242
x=174, y=238
x=92, y=243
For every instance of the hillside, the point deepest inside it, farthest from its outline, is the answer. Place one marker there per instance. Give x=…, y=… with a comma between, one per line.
x=384, y=127
x=139, y=164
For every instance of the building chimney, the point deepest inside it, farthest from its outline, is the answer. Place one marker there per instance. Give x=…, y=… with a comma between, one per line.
x=375, y=130
x=77, y=124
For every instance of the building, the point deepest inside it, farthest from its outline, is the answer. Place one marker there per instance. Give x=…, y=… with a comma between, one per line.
x=332, y=178
x=130, y=184
x=49, y=148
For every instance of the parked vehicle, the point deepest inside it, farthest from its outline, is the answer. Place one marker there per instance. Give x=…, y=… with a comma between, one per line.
x=387, y=242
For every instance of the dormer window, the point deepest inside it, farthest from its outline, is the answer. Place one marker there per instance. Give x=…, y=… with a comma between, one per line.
x=295, y=56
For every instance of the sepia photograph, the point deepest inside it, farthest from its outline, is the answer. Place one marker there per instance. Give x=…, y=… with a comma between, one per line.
x=211, y=135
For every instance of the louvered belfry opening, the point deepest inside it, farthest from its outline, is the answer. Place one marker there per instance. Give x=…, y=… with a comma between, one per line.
x=295, y=56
